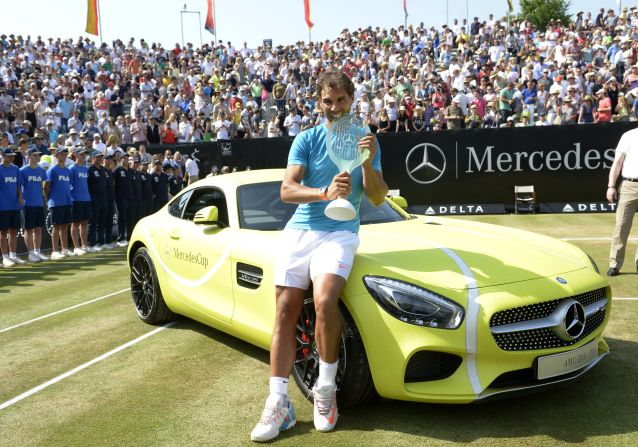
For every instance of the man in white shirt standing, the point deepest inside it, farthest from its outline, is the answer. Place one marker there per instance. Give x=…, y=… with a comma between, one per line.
x=192, y=170
x=625, y=165
x=221, y=127
x=293, y=123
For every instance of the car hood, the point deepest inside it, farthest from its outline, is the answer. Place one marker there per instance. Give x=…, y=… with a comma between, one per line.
x=455, y=254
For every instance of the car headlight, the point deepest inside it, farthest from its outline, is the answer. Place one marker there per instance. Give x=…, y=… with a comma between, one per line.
x=413, y=304
x=593, y=264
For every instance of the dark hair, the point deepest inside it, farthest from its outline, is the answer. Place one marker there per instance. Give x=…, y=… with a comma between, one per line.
x=335, y=79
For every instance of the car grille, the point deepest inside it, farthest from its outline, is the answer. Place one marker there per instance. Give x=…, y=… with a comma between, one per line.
x=425, y=366
x=249, y=276
x=544, y=338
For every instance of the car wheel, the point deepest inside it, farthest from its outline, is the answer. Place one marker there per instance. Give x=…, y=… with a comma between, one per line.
x=353, y=376
x=147, y=296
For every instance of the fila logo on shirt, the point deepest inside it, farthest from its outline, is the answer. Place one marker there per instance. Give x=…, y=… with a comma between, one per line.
x=63, y=178
x=83, y=175
x=34, y=178
x=11, y=179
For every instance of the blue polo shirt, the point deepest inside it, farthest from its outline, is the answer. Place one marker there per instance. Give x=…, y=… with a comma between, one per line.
x=10, y=181
x=60, y=186
x=32, y=179
x=309, y=150
x=80, y=183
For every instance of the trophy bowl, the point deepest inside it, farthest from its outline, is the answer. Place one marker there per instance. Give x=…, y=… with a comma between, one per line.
x=342, y=137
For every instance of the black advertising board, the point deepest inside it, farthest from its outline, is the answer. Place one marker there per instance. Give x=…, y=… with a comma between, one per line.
x=464, y=167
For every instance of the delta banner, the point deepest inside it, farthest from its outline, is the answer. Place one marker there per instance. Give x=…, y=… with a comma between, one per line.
x=92, y=18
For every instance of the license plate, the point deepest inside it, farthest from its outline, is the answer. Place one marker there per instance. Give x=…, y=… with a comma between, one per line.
x=566, y=362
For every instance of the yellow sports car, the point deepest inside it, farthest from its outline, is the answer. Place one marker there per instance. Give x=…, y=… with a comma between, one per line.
x=435, y=310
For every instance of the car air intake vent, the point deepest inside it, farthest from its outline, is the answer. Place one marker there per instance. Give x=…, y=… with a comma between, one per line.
x=249, y=276
x=425, y=366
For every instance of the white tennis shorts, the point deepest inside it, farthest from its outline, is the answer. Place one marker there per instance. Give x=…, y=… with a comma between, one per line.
x=306, y=254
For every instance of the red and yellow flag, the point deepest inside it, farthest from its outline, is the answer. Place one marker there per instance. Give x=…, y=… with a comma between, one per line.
x=306, y=7
x=92, y=18
x=210, y=18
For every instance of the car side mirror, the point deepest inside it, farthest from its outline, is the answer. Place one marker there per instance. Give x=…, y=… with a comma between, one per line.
x=207, y=215
x=400, y=202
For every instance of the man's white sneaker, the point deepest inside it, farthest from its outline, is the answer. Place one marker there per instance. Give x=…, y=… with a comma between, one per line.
x=122, y=243
x=18, y=260
x=279, y=414
x=56, y=255
x=79, y=252
x=7, y=263
x=69, y=253
x=95, y=249
x=42, y=257
x=34, y=258
x=325, y=411
x=107, y=247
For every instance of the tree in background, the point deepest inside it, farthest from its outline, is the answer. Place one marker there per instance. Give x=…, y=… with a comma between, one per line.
x=540, y=12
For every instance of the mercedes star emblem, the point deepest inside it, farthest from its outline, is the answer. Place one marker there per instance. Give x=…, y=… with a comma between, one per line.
x=425, y=163
x=572, y=319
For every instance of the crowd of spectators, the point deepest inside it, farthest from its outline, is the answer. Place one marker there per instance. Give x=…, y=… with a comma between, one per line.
x=487, y=73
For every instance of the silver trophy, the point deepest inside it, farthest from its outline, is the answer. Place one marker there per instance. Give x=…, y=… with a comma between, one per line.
x=342, y=137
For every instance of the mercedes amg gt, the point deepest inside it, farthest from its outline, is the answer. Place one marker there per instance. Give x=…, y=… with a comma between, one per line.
x=435, y=309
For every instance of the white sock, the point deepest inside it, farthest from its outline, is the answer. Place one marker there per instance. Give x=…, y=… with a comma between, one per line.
x=36, y=251
x=5, y=256
x=31, y=252
x=12, y=254
x=327, y=374
x=279, y=385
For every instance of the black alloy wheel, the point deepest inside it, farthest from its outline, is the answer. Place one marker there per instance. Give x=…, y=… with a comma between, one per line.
x=354, y=381
x=145, y=290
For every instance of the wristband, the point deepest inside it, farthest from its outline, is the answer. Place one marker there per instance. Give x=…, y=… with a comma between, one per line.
x=610, y=187
x=323, y=193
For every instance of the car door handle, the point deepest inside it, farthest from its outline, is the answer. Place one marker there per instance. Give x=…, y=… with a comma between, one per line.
x=174, y=234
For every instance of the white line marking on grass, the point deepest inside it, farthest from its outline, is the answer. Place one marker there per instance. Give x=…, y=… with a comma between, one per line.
x=592, y=239
x=626, y=299
x=38, y=388
x=24, y=323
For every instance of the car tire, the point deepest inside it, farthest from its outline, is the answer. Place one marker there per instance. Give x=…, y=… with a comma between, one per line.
x=145, y=290
x=353, y=377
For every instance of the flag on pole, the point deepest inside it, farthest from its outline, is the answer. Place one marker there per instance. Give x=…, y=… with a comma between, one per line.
x=92, y=18
x=405, y=8
x=306, y=8
x=510, y=5
x=210, y=19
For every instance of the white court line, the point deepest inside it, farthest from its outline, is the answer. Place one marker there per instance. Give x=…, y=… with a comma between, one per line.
x=38, y=388
x=626, y=299
x=24, y=323
x=592, y=239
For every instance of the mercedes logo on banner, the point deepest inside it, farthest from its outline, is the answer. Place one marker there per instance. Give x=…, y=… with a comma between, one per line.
x=425, y=163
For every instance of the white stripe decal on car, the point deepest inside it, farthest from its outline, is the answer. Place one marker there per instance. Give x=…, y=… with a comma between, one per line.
x=471, y=319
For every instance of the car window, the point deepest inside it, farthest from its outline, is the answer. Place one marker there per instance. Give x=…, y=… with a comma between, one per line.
x=261, y=208
x=203, y=197
x=176, y=207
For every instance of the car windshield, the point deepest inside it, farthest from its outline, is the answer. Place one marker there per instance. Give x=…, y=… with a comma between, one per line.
x=261, y=208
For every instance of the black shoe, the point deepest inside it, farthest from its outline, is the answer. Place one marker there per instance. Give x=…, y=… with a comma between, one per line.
x=613, y=271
